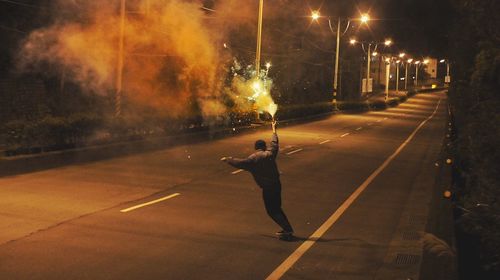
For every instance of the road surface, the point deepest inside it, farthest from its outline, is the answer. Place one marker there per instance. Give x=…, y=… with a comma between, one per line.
x=180, y=213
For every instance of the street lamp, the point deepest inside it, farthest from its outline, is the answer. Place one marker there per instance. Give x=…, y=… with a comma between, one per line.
x=259, y=39
x=447, y=79
x=417, y=63
x=397, y=74
x=259, y=46
x=120, y=63
x=387, y=73
x=409, y=61
x=364, y=19
x=315, y=15
x=387, y=43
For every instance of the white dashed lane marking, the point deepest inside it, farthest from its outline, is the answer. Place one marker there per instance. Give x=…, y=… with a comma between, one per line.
x=237, y=171
x=149, y=203
x=295, y=151
x=345, y=134
x=359, y=128
x=326, y=141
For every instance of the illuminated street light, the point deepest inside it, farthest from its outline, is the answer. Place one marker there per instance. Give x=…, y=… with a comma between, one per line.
x=365, y=18
x=401, y=55
x=426, y=61
x=447, y=78
x=352, y=41
x=268, y=65
x=388, y=42
x=374, y=53
x=315, y=15
x=417, y=63
x=410, y=60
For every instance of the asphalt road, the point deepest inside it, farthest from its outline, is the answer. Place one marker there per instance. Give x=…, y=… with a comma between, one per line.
x=199, y=219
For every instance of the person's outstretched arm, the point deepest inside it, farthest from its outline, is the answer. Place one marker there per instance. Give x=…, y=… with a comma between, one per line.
x=242, y=163
x=274, y=142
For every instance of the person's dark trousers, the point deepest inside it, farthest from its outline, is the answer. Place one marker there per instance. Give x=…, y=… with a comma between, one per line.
x=272, y=201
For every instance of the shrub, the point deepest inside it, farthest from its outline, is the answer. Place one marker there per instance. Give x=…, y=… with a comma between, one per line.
x=354, y=106
x=378, y=105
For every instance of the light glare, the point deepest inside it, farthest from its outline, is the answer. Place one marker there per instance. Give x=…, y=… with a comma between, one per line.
x=365, y=18
x=315, y=15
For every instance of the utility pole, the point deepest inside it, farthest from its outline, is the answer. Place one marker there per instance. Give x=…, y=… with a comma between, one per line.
x=387, y=73
x=397, y=77
x=119, y=74
x=406, y=75
x=335, y=74
x=259, y=39
x=368, y=58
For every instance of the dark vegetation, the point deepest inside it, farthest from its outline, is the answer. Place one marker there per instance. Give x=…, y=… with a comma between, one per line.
x=475, y=103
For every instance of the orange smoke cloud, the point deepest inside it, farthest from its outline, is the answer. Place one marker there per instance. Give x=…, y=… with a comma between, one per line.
x=171, y=53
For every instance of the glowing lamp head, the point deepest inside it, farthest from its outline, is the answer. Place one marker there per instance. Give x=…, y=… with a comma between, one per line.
x=398, y=61
x=417, y=62
x=365, y=18
x=375, y=53
x=268, y=65
x=387, y=60
x=388, y=42
x=315, y=15
x=410, y=60
x=402, y=55
x=442, y=61
x=426, y=61
x=352, y=41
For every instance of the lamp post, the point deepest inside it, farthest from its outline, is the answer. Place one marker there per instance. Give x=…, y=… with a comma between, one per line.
x=259, y=39
x=417, y=63
x=315, y=16
x=119, y=72
x=447, y=78
x=397, y=75
x=258, y=51
x=387, y=73
x=387, y=43
x=409, y=61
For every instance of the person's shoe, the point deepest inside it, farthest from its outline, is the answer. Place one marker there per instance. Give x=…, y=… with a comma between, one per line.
x=284, y=233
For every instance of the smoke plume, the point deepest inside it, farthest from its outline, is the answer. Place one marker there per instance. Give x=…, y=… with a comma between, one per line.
x=173, y=54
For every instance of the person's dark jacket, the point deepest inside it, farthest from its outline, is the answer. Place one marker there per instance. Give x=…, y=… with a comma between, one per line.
x=262, y=165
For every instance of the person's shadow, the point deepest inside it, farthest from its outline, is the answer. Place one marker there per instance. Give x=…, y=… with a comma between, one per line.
x=295, y=238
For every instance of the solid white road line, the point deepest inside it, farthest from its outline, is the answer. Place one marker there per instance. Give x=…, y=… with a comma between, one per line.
x=324, y=142
x=345, y=134
x=293, y=152
x=149, y=203
x=359, y=128
x=299, y=252
x=237, y=171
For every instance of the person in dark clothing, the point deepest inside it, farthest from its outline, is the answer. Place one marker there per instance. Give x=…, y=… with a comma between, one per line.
x=262, y=166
